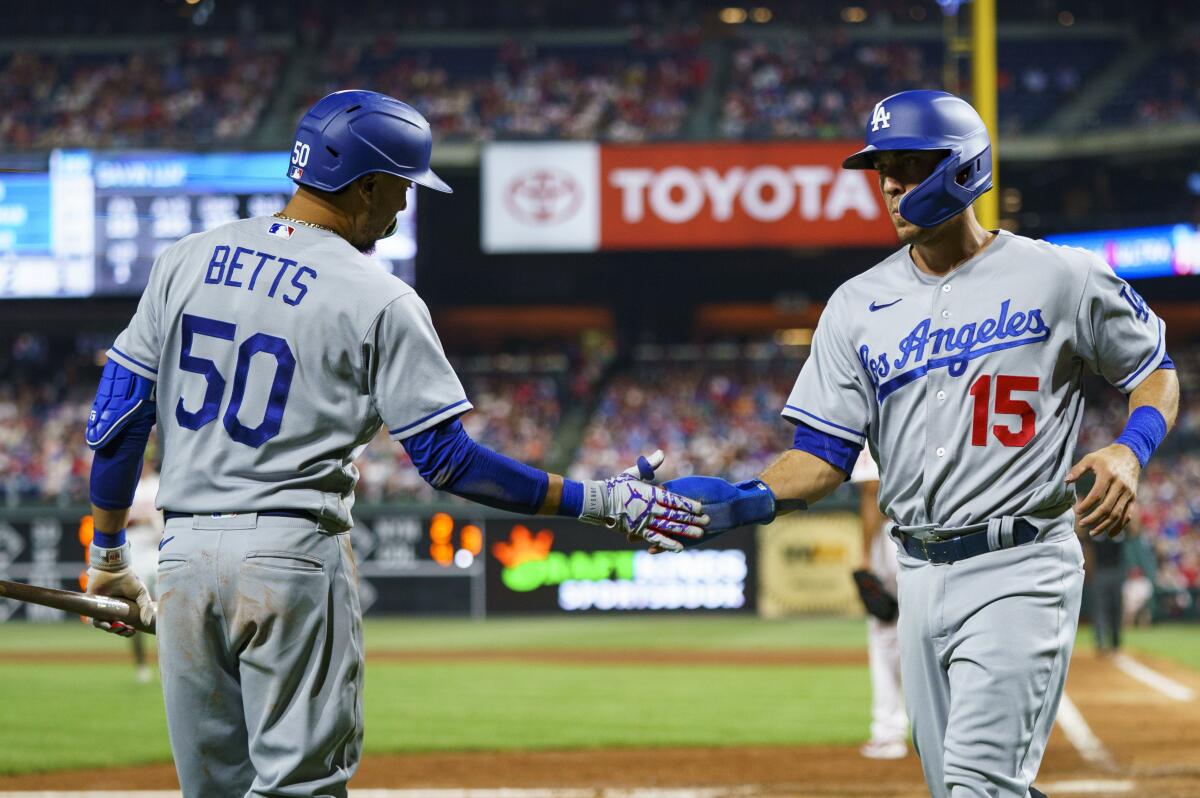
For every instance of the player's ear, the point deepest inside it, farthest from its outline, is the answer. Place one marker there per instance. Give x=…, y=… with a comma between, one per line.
x=367, y=185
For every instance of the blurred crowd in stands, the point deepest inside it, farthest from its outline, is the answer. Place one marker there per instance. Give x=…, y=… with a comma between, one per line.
x=713, y=409
x=645, y=71
x=641, y=87
x=805, y=87
x=198, y=92
x=516, y=414
x=86, y=18
x=1168, y=90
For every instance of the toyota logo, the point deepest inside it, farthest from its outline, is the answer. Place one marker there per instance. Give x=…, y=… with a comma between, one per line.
x=544, y=196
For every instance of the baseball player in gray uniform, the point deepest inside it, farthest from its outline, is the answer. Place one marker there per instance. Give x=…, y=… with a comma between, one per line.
x=958, y=361
x=270, y=351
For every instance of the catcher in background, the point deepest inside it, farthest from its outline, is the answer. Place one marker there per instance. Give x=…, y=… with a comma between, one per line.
x=876, y=582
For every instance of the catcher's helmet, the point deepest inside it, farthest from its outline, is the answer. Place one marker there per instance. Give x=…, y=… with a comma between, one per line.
x=348, y=134
x=932, y=120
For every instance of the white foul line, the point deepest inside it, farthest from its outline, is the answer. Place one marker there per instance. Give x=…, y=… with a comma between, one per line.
x=1152, y=678
x=1081, y=736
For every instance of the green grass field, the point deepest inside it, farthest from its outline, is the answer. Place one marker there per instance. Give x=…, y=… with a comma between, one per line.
x=461, y=704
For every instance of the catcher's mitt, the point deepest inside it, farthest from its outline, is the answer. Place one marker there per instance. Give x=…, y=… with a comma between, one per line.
x=875, y=597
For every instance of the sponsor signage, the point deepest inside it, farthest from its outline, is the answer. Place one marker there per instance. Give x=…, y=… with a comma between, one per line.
x=565, y=566
x=540, y=197
x=805, y=561
x=407, y=562
x=1141, y=251
x=581, y=196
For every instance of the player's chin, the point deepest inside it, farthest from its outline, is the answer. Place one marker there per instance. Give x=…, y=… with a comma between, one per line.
x=906, y=231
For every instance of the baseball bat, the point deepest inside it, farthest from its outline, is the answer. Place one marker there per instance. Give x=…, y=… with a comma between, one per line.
x=102, y=608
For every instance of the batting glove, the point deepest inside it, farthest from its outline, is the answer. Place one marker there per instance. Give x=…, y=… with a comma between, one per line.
x=630, y=503
x=109, y=575
x=728, y=505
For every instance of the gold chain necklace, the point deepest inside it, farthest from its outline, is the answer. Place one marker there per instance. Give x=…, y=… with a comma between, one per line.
x=306, y=224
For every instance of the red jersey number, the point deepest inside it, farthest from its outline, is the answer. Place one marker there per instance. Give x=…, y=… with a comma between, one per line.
x=1005, y=405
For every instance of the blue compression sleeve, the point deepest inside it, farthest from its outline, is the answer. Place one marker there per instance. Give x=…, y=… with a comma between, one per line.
x=836, y=451
x=449, y=460
x=117, y=465
x=1143, y=432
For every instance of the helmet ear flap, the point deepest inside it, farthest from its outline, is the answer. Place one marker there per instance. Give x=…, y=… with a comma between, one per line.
x=972, y=175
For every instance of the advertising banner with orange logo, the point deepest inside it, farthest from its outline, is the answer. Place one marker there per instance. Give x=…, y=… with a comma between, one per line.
x=581, y=196
x=561, y=565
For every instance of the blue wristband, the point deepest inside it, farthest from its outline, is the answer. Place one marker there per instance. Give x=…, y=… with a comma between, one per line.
x=109, y=540
x=1144, y=432
x=571, y=503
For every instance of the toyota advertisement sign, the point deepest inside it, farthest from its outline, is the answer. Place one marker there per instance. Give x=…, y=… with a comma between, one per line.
x=584, y=197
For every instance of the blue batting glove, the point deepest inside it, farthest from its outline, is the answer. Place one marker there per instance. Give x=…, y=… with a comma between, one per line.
x=728, y=506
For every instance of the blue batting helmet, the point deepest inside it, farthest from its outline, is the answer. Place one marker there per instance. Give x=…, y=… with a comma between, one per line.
x=932, y=120
x=348, y=134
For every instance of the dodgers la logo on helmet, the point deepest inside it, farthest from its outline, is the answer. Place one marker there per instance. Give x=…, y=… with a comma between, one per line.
x=880, y=118
x=932, y=121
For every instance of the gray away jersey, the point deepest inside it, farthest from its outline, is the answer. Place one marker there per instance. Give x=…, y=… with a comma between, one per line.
x=279, y=350
x=967, y=387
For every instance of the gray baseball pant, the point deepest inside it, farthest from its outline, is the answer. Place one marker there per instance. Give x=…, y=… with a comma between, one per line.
x=984, y=648
x=260, y=648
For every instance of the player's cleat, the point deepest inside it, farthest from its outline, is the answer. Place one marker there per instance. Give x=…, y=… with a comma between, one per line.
x=144, y=674
x=884, y=749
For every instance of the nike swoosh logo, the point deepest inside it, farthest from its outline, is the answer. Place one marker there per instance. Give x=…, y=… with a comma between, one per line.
x=165, y=542
x=875, y=306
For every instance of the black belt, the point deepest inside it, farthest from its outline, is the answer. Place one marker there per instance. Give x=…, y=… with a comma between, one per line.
x=964, y=546
x=311, y=516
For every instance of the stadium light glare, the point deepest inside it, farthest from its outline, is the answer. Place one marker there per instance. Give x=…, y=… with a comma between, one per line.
x=192, y=2
x=732, y=15
x=854, y=14
x=1011, y=200
x=797, y=336
x=1066, y=19
x=761, y=15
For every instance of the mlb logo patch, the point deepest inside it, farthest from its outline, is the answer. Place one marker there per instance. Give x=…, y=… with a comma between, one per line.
x=297, y=173
x=281, y=230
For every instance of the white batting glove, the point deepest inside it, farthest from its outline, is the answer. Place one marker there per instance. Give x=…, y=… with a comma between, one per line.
x=109, y=575
x=629, y=503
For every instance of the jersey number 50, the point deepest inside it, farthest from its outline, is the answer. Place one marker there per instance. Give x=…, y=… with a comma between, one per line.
x=981, y=391
x=285, y=368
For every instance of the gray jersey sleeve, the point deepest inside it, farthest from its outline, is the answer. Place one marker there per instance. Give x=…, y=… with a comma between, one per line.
x=1119, y=336
x=832, y=393
x=139, y=346
x=411, y=383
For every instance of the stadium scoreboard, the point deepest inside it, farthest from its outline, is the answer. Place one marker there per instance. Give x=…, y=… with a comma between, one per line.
x=93, y=223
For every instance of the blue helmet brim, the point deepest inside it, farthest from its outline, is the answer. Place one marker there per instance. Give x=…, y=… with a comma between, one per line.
x=429, y=179
x=864, y=158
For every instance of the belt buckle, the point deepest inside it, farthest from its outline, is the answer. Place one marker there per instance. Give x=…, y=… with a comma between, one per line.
x=925, y=545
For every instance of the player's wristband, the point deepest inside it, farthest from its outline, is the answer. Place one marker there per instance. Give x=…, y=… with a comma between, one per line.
x=1144, y=432
x=109, y=540
x=571, y=503
x=109, y=558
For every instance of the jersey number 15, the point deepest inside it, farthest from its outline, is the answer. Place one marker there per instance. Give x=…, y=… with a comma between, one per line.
x=1006, y=384
x=285, y=368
